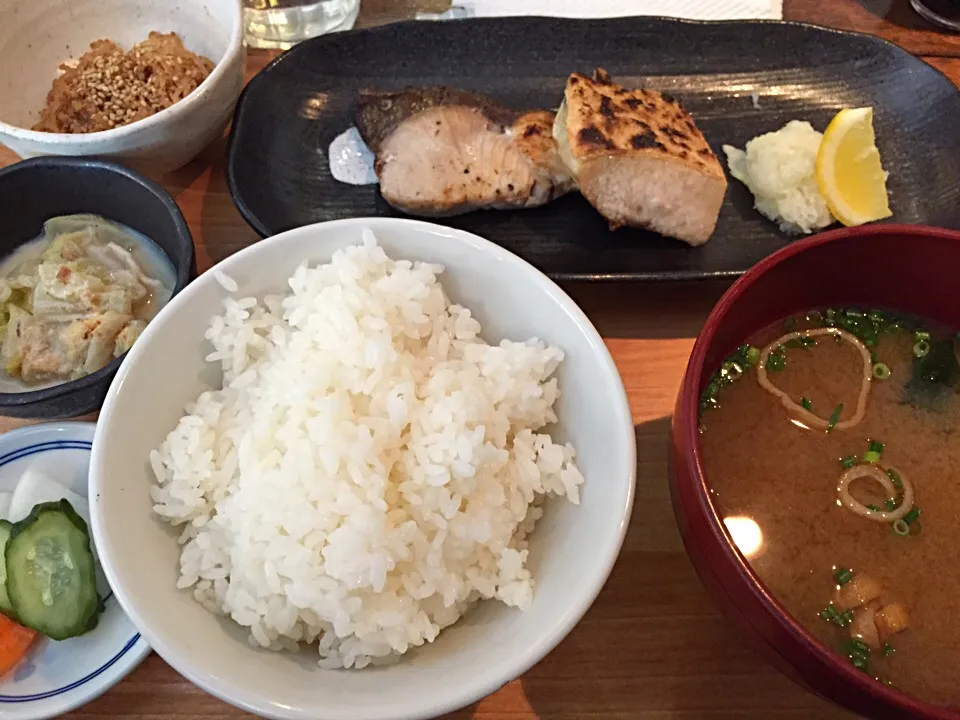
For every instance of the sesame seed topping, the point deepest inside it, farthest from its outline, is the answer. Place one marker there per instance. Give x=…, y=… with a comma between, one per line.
x=108, y=88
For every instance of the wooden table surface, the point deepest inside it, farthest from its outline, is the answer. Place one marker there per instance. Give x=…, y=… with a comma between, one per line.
x=654, y=645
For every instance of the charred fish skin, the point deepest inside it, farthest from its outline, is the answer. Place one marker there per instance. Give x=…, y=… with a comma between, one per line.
x=534, y=136
x=378, y=113
x=639, y=158
x=442, y=151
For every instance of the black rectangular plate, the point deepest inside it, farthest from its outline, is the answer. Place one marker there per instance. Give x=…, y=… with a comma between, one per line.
x=278, y=168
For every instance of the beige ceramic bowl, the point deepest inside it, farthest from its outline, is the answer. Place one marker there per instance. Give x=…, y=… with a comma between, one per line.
x=36, y=36
x=571, y=551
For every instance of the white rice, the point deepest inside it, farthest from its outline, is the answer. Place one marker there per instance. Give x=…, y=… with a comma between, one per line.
x=369, y=469
x=225, y=281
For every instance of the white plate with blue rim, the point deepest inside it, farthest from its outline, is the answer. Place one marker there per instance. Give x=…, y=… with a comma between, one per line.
x=56, y=677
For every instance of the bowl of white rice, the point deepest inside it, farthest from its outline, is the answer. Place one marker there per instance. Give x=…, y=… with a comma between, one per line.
x=362, y=470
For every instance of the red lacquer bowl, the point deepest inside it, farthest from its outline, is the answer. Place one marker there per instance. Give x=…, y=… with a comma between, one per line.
x=912, y=269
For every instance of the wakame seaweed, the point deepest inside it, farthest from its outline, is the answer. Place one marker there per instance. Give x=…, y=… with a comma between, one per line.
x=935, y=375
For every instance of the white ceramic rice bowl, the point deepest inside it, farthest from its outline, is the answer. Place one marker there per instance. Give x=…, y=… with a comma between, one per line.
x=572, y=549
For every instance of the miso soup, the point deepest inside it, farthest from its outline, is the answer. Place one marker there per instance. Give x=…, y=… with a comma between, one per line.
x=831, y=444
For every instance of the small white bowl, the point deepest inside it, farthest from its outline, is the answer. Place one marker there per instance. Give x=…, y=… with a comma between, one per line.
x=36, y=36
x=57, y=677
x=572, y=549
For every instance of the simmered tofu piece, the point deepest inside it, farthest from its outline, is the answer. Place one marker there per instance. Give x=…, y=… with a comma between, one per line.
x=859, y=591
x=891, y=619
x=864, y=627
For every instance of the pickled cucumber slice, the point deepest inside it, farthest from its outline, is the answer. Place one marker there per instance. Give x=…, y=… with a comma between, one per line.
x=50, y=572
x=5, y=607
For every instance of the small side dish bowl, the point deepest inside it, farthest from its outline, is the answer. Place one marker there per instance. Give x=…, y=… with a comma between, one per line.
x=32, y=192
x=572, y=548
x=36, y=37
x=908, y=268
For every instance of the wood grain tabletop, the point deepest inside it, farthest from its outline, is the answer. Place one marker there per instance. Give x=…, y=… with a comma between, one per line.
x=653, y=646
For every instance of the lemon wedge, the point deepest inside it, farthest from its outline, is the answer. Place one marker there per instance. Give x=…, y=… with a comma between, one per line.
x=849, y=173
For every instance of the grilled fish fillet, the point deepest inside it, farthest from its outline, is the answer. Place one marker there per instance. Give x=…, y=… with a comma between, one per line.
x=639, y=159
x=442, y=151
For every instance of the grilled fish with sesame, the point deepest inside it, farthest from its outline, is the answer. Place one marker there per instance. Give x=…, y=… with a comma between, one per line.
x=441, y=151
x=639, y=159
